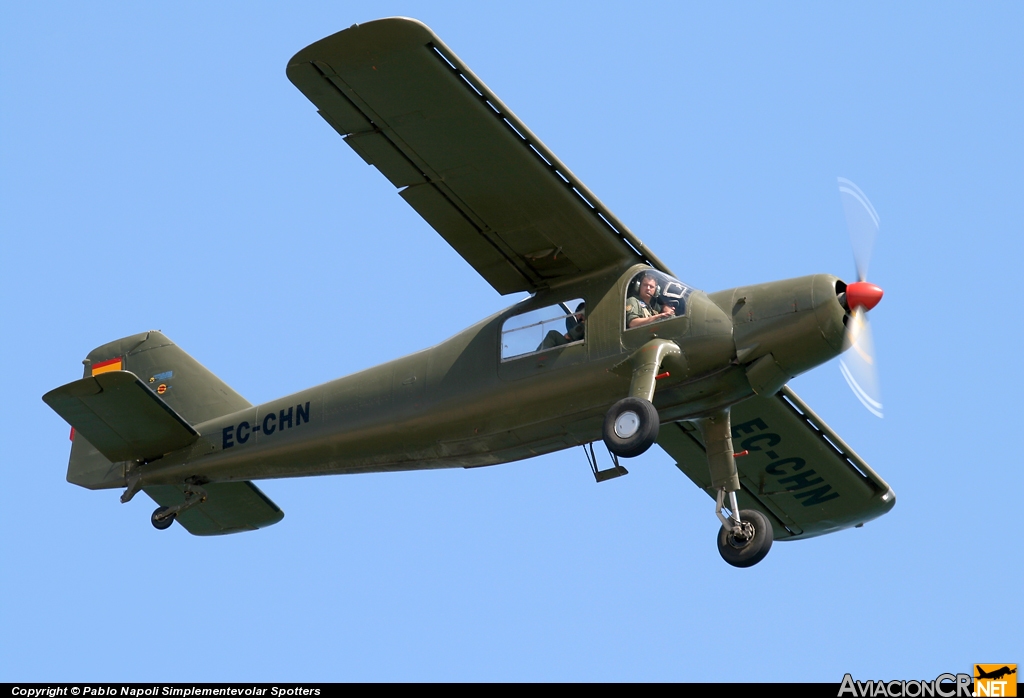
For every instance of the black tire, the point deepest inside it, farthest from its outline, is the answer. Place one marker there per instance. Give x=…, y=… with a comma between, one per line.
x=162, y=524
x=630, y=427
x=740, y=553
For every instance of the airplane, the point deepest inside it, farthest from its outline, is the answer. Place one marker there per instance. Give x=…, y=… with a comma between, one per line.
x=996, y=673
x=609, y=346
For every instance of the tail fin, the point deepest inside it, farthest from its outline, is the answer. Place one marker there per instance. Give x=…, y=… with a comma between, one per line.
x=185, y=385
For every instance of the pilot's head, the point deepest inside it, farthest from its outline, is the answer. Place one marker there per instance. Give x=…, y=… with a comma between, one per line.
x=648, y=286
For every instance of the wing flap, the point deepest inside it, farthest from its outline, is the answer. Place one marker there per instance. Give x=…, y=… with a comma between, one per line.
x=409, y=107
x=448, y=220
x=121, y=417
x=375, y=148
x=230, y=507
x=798, y=470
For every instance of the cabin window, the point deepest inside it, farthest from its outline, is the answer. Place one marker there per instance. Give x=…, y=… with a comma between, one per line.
x=653, y=296
x=544, y=328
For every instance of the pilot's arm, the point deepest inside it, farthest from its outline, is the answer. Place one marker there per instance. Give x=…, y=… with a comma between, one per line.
x=639, y=313
x=577, y=332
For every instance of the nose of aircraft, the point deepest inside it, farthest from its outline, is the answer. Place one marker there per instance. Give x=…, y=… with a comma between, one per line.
x=862, y=294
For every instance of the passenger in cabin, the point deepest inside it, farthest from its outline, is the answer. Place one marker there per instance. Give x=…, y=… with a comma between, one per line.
x=575, y=326
x=642, y=308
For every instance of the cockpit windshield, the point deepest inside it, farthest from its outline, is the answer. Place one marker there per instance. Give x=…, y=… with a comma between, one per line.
x=653, y=296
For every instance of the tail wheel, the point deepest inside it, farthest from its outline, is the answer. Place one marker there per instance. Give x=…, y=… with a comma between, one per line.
x=747, y=546
x=162, y=524
x=630, y=427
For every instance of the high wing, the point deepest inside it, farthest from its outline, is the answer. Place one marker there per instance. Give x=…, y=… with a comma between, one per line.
x=798, y=472
x=408, y=106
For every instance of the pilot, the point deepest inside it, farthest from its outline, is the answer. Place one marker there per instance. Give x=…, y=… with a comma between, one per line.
x=645, y=310
x=577, y=328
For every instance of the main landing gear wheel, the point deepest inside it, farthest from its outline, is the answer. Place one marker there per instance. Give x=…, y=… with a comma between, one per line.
x=162, y=524
x=748, y=546
x=630, y=427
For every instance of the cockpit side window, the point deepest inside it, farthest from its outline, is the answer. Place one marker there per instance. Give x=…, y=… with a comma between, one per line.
x=653, y=296
x=544, y=328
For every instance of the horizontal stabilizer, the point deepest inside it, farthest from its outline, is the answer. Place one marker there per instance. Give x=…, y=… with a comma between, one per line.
x=121, y=417
x=230, y=507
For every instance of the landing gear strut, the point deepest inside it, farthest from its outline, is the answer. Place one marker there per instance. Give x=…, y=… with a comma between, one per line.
x=163, y=517
x=631, y=425
x=746, y=536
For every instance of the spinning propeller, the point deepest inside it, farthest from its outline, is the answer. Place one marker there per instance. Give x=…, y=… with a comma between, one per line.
x=858, y=360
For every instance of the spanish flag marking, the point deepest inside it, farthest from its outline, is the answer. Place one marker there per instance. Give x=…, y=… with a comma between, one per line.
x=104, y=366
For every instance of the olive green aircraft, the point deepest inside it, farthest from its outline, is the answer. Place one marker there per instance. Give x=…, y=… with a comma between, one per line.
x=609, y=346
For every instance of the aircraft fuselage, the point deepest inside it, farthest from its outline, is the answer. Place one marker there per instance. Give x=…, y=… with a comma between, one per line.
x=458, y=404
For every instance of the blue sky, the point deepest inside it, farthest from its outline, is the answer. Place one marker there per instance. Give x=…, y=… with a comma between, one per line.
x=158, y=171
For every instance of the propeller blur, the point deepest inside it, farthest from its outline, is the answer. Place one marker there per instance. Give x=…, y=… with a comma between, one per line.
x=858, y=361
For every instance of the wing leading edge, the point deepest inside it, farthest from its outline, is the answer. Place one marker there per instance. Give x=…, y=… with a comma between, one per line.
x=798, y=472
x=406, y=104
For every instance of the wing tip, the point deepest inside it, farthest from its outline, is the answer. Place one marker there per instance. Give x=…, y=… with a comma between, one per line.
x=375, y=32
